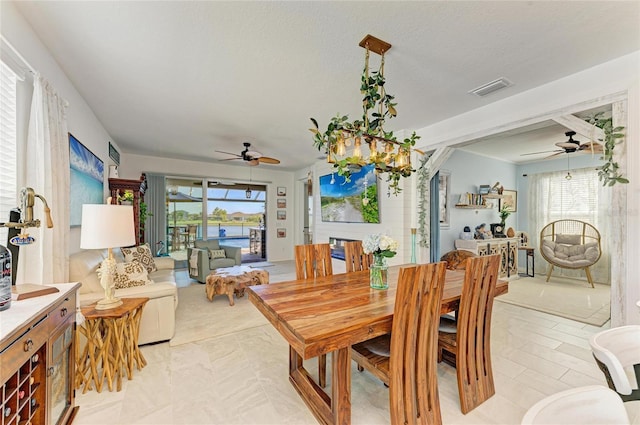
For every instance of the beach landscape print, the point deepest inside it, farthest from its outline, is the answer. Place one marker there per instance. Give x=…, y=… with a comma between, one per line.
x=87, y=178
x=350, y=202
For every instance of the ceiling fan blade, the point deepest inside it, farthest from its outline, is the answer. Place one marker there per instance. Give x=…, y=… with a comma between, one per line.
x=253, y=162
x=536, y=153
x=591, y=147
x=555, y=154
x=268, y=160
x=229, y=159
x=229, y=153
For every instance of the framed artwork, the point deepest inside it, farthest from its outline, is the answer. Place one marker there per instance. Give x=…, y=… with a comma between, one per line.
x=281, y=232
x=282, y=191
x=87, y=179
x=355, y=201
x=282, y=203
x=510, y=199
x=444, y=184
x=281, y=214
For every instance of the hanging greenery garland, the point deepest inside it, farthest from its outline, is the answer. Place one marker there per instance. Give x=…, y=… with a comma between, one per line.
x=424, y=204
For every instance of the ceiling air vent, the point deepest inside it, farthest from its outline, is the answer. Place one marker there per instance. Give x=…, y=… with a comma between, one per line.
x=491, y=87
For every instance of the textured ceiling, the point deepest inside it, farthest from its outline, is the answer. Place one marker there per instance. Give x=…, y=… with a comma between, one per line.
x=184, y=79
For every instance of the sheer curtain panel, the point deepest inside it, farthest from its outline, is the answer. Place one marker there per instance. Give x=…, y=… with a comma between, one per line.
x=47, y=165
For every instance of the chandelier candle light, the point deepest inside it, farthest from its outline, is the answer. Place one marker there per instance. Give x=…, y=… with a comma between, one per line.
x=382, y=247
x=388, y=154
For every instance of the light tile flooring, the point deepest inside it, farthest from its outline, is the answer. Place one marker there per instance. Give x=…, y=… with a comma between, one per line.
x=242, y=378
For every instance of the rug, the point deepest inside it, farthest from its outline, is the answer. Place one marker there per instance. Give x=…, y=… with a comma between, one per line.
x=570, y=298
x=197, y=318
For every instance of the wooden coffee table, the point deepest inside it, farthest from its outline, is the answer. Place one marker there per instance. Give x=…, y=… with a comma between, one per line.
x=230, y=280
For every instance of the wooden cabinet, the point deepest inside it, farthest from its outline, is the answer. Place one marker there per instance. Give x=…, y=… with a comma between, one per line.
x=37, y=359
x=506, y=247
x=118, y=188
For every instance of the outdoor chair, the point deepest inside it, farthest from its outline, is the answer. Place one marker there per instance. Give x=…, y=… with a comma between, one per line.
x=570, y=244
x=405, y=360
x=314, y=260
x=590, y=405
x=355, y=258
x=466, y=344
x=617, y=351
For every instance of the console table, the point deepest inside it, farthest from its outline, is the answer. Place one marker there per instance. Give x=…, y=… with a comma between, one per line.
x=37, y=348
x=506, y=247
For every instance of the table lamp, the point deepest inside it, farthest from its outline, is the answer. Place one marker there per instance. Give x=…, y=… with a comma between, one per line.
x=107, y=226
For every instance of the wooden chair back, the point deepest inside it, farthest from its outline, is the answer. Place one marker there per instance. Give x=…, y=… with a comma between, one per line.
x=413, y=375
x=313, y=261
x=471, y=348
x=355, y=258
x=406, y=359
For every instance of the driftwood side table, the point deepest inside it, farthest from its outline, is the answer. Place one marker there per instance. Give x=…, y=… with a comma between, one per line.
x=230, y=280
x=112, y=344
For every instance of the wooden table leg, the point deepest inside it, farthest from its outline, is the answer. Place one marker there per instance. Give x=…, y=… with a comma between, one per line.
x=327, y=410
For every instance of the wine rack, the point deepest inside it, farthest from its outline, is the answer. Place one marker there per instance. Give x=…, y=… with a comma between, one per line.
x=24, y=393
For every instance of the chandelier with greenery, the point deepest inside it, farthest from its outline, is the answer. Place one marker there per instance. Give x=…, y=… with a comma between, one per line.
x=386, y=152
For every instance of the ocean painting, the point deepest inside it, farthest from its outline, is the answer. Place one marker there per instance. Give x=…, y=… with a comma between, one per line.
x=87, y=177
x=355, y=201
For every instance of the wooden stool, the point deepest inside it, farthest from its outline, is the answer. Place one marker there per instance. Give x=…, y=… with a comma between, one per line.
x=230, y=280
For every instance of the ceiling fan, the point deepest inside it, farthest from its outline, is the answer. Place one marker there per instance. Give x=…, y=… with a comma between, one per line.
x=571, y=146
x=252, y=157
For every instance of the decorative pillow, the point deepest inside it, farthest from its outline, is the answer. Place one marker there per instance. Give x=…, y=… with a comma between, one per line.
x=131, y=274
x=568, y=239
x=141, y=254
x=217, y=253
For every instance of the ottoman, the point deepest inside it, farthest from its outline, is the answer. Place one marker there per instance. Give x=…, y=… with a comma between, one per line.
x=230, y=280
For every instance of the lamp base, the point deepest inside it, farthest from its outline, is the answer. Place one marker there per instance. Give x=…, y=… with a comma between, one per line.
x=107, y=304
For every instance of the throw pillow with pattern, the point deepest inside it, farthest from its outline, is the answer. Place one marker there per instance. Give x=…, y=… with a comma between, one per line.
x=217, y=253
x=131, y=274
x=141, y=254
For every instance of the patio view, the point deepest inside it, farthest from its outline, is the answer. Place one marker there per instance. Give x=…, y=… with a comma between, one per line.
x=235, y=215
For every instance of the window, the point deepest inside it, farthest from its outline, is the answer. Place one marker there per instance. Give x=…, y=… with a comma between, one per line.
x=575, y=198
x=8, y=141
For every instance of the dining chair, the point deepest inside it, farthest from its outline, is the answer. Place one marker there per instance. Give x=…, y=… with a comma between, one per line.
x=467, y=347
x=190, y=235
x=314, y=260
x=617, y=353
x=405, y=360
x=593, y=404
x=355, y=258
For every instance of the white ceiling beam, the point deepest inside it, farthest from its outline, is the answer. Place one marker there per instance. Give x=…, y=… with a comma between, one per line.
x=581, y=127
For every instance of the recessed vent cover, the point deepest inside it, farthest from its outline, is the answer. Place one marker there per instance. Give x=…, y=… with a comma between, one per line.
x=491, y=87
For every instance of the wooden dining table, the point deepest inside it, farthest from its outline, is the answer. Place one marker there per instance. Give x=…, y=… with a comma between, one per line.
x=328, y=315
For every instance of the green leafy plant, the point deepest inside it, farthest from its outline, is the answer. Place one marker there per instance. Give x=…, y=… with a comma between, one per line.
x=378, y=106
x=609, y=173
x=504, y=213
x=423, y=203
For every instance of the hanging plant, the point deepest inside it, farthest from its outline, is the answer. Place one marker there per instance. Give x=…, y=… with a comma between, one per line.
x=424, y=204
x=609, y=173
x=387, y=153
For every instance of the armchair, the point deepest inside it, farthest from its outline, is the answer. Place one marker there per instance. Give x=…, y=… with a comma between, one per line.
x=201, y=261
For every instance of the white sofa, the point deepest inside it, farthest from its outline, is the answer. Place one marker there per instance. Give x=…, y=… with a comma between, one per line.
x=158, y=317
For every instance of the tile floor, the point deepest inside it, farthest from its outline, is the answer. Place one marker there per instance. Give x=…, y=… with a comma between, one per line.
x=242, y=378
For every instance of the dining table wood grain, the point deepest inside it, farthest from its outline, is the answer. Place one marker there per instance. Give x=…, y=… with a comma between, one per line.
x=329, y=314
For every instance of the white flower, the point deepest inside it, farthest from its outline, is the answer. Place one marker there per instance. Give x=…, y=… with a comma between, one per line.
x=379, y=244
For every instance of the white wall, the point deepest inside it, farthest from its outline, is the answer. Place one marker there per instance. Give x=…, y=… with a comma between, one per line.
x=468, y=171
x=81, y=120
x=278, y=249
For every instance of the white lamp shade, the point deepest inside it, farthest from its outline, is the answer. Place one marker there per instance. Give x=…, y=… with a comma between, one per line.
x=107, y=226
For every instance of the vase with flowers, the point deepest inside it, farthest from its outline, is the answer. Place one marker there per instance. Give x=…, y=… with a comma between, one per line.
x=504, y=213
x=381, y=247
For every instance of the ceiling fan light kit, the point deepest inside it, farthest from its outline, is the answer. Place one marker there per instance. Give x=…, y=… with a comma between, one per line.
x=386, y=152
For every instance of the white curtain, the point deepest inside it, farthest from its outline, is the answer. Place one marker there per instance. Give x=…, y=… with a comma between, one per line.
x=47, y=165
x=554, y=197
